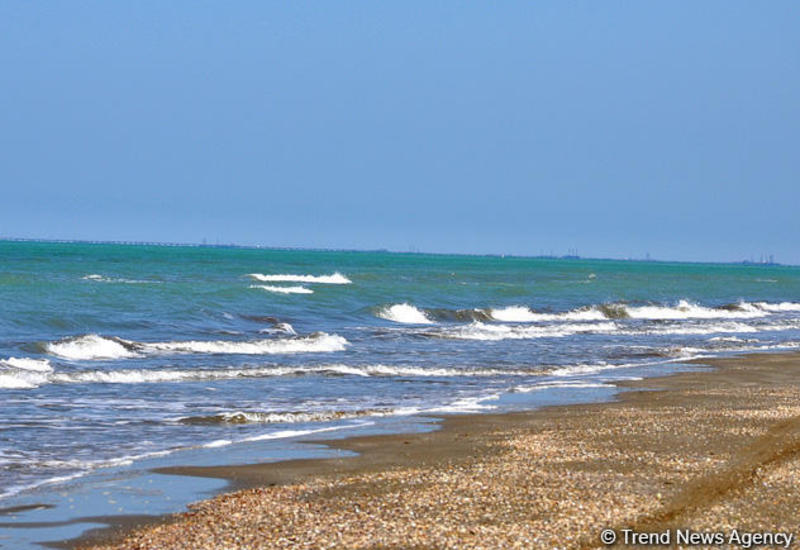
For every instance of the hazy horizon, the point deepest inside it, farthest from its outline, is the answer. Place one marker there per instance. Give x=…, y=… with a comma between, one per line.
x=761, y=259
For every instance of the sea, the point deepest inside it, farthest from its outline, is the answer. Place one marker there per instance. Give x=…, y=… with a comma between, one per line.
x=112, y=354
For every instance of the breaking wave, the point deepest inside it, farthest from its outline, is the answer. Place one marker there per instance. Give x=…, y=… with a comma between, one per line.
x=521, y=314
x=289, y=417
x=682, y=310
x=285, y=289
x=687, y=310
x=30, y=379
x=27, y=364
x=94, y=347
x=783, y=306
x=404, y=313
x=334, y=279
x=493, y=332
x=318, y=342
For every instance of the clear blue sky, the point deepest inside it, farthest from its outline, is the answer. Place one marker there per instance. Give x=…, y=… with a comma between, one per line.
x=512, y=127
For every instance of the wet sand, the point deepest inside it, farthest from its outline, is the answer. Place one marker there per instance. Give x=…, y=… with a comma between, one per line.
x=705, y=450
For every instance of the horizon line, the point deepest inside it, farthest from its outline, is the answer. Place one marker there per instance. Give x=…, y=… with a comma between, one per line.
x=568, y=256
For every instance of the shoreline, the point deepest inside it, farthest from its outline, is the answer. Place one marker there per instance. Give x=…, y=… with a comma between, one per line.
x=565, y=472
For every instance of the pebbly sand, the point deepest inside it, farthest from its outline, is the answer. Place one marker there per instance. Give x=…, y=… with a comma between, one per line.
x=706, y=450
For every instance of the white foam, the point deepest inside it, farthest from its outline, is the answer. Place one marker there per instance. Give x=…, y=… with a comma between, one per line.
x=294, y=433
x=334, y=279
x=714, y=328
x=23, y=373
x=465, y=405
x=284, y=289
x=561, y=385
x=684, y=309
x=94, y=347
x=581, y=369
x=28, y=364
x=18, y=381
x=316, y=343
x=521, y=314
x=292, y=417
x=687, y=310
x=734, y=339
x=491, y=332
x=783, y=306
x=90, y=347
x=28, y=380
x=217, y=443
x=404, y=313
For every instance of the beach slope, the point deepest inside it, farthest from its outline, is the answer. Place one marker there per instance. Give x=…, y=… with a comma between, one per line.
x=708, y=450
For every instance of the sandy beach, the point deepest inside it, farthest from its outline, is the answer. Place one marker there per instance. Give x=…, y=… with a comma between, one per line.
x=706, y=452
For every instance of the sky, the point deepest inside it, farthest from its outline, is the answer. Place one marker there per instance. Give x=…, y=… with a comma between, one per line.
x=615, y=128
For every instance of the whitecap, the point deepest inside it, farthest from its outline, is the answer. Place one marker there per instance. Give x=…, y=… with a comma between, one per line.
x=91, y=347
x=493, y=332
x=284, y=289
x=94, y=347
x=776, y=308
x=333, y=279
x=27, y=380
x=28, y=364
x=688, y=310
x=404, y=313
x=522, y=314
x=318, y=342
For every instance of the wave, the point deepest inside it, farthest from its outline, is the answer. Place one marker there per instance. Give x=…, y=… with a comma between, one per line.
x=682, y=310
x=563, y=385
x=334, y=279
x=521, y=314
x=462, y=315
x=593, y=368
x=493, y=332
x=94, y=347
x=27, y=364
x=716, y=328
x=783, y=306
x=285, y=289
x=19, y=381
x=404, y=313
x=688, y=310
x=734, y=339
x=28, y=380
x=288, y=417
x=23, y=373
x=91, y=346
x=318, y=342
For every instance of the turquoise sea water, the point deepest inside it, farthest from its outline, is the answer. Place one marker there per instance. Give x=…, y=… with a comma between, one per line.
x=111, y=355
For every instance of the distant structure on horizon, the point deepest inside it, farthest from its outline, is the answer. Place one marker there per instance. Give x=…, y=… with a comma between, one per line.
x=765, y=259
